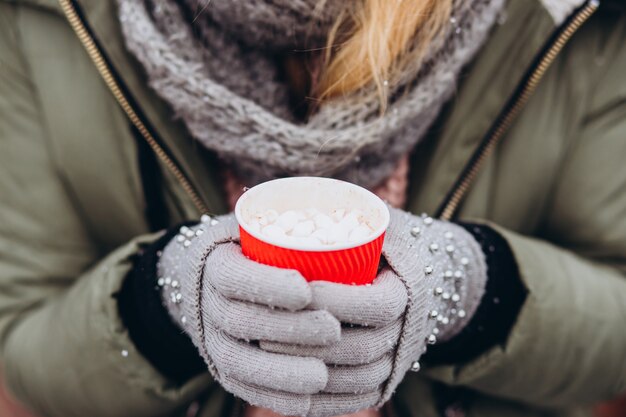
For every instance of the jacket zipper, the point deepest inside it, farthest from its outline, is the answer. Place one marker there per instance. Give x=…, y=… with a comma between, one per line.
x=96, y=55
x=452, y=201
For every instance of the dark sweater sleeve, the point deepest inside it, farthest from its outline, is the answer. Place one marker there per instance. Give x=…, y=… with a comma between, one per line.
x=149, y=325
x=498, y=310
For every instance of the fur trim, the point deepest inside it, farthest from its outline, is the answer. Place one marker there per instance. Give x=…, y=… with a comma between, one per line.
x=561, y=9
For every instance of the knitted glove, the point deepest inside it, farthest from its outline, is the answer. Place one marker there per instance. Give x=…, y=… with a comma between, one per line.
x=436, y=279
x=225, y=301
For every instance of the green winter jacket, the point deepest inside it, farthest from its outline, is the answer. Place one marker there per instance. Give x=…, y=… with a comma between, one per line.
x=72, y=211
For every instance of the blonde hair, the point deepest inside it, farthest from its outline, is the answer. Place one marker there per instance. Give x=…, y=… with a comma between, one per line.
x=374, y=40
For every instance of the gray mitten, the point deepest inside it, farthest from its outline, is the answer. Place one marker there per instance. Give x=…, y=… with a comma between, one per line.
x=226, y=303
x=432, y=287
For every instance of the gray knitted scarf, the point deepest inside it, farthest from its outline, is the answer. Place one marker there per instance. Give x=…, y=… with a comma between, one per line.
x=214, y=62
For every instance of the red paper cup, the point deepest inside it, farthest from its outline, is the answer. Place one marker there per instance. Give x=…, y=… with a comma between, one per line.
x=354, y=263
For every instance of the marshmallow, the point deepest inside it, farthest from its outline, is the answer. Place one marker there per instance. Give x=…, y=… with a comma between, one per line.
x=274, y=232
x=359, y=215
x=323, y=221
x=338, y=214
x=338, y=235
x=288, y=220
x=359, y=233
x=268, y=217
x=321, y=235
x=271, y=215
x=349, y=222
x=312, y=227
x=311, y=212
x=303, y=229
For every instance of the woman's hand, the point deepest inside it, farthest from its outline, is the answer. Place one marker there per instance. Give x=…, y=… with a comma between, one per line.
x=275, y=341
x=433, y=285
x=226, y=302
